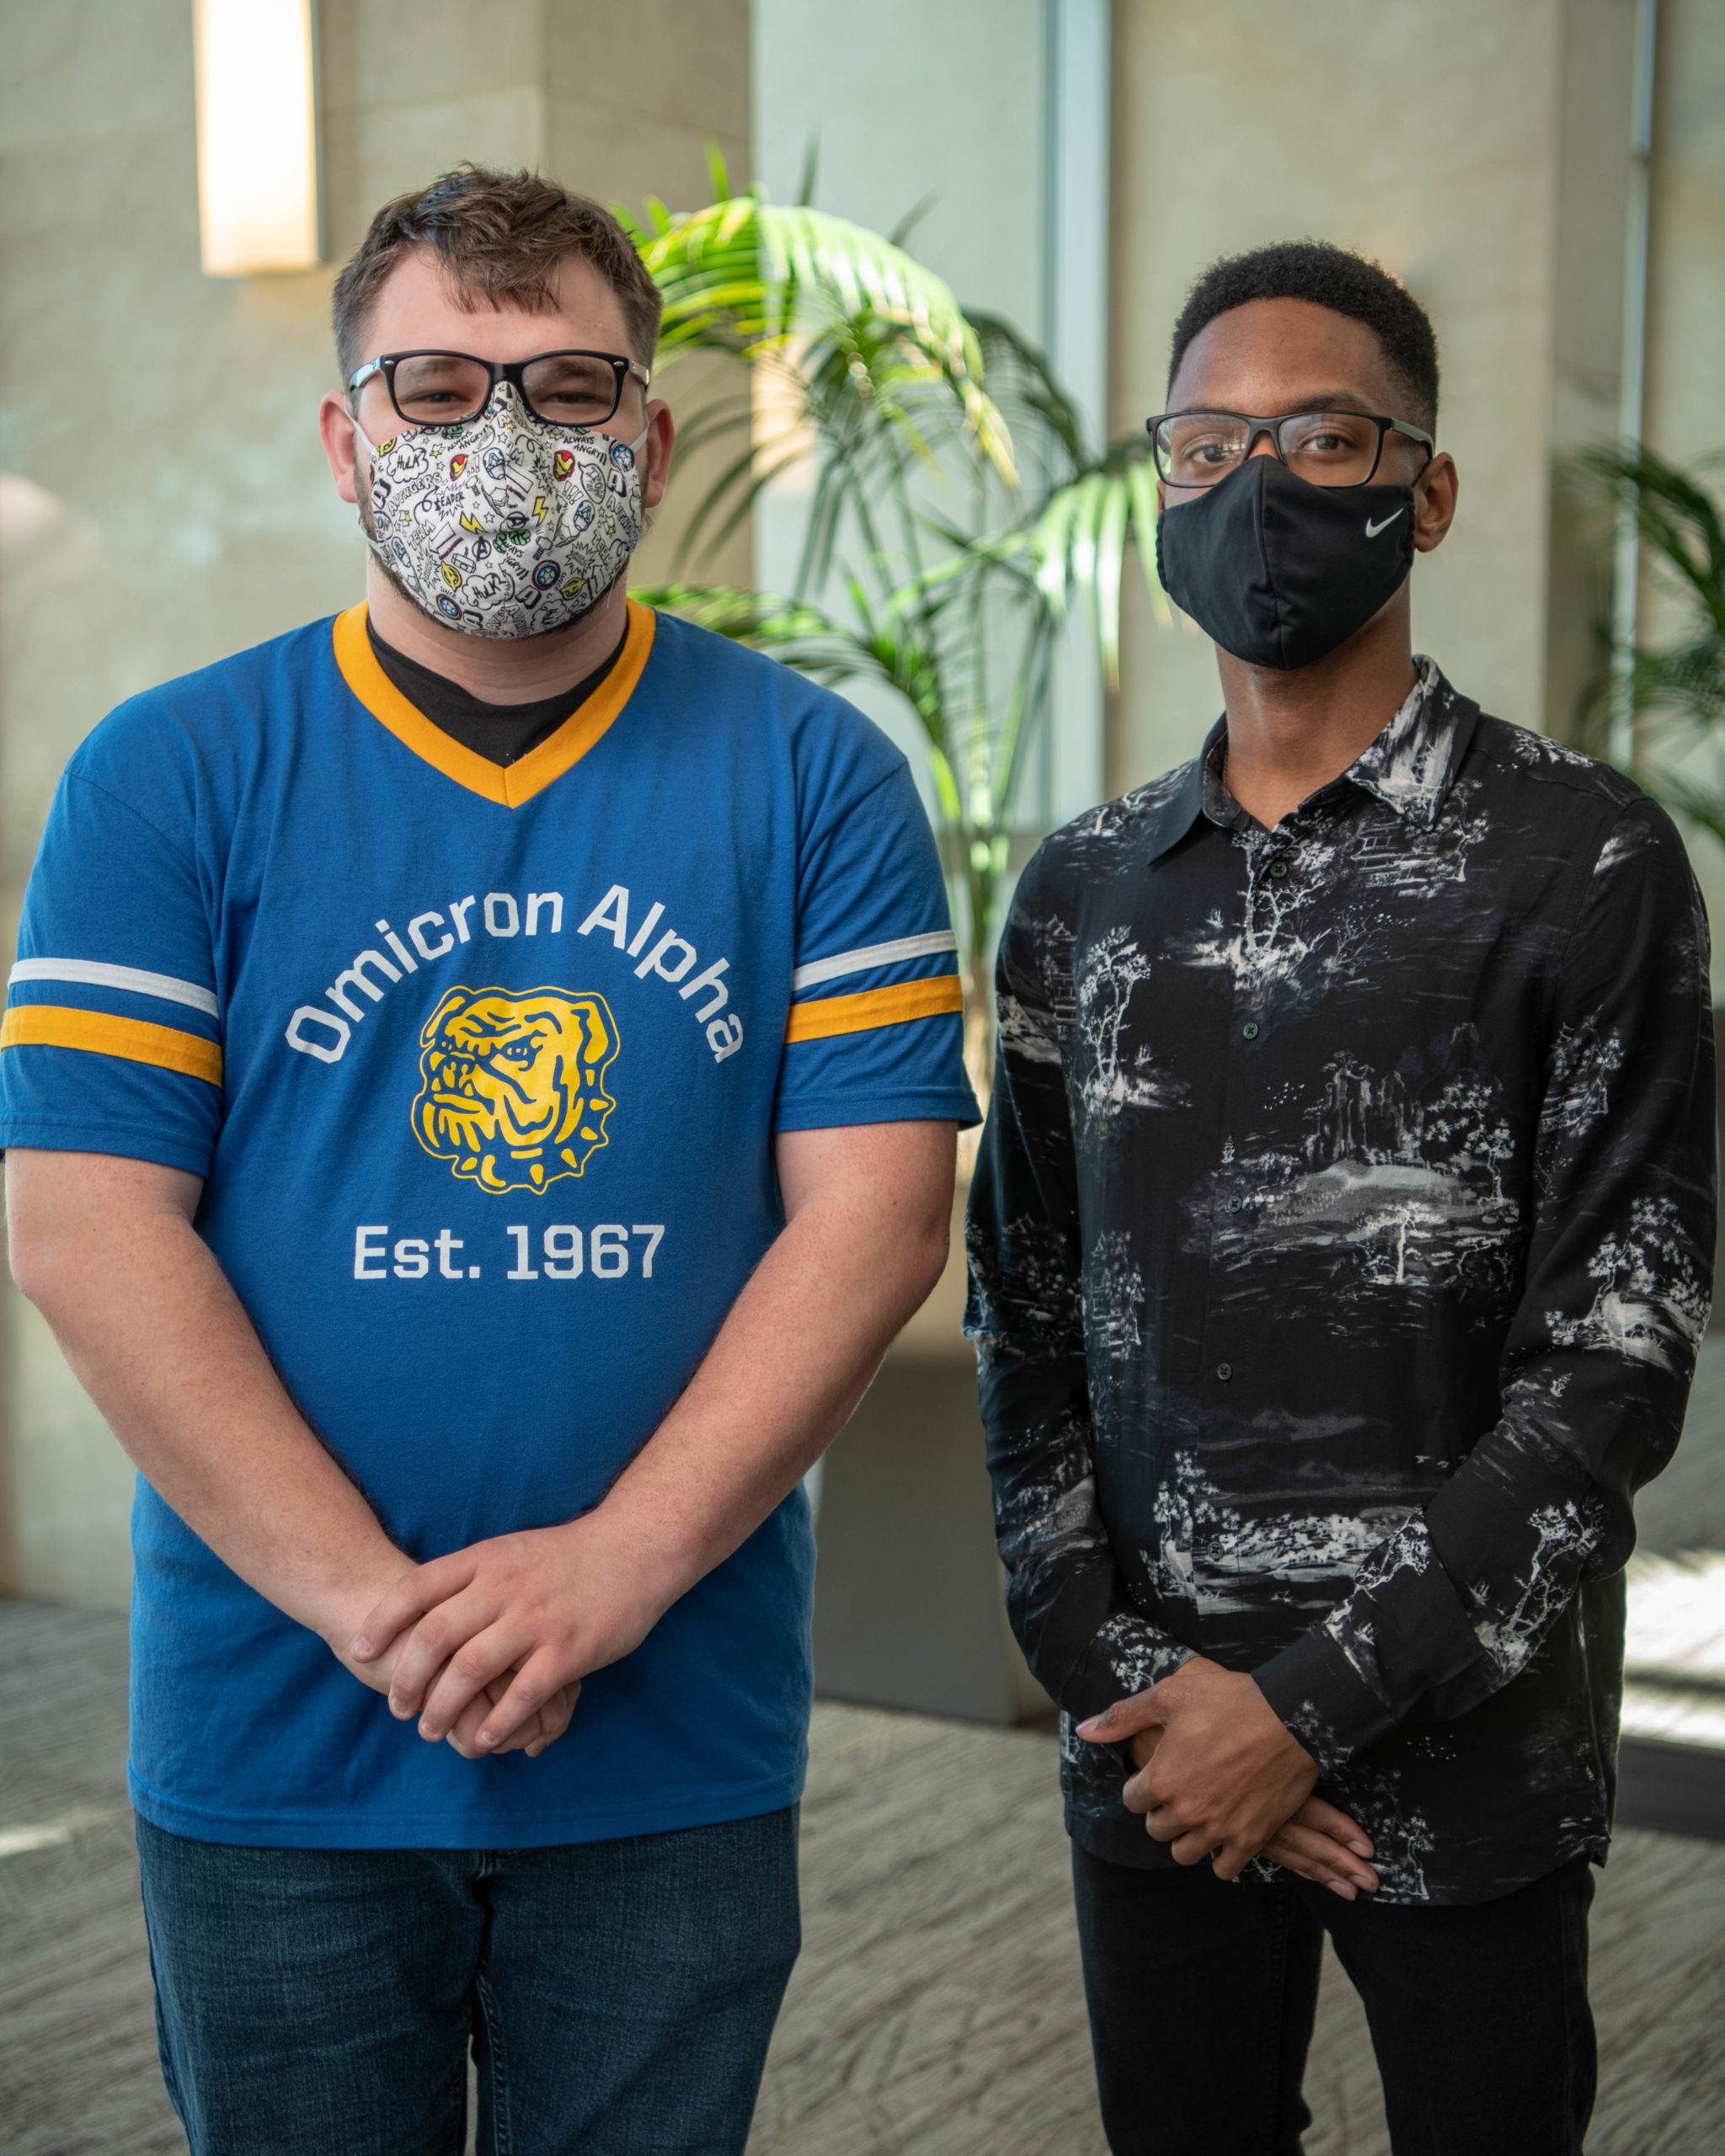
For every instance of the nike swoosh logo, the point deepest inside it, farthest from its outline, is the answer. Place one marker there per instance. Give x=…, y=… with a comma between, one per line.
x=1372, y=530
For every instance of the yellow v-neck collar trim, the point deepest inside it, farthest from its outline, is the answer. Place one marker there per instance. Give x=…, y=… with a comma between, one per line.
x=509, y=785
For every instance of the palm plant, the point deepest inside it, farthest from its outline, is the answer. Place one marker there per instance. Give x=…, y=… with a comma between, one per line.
x=1678, y=692
x=955, y=507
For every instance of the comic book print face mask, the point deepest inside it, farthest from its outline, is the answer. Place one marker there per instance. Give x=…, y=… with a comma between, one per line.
x=504, y=526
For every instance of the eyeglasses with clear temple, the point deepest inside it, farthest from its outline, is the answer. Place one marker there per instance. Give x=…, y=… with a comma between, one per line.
x=445, y=389
x=1330, y=449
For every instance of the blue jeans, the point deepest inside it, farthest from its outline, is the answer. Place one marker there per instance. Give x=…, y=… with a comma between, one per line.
x=619, y=1995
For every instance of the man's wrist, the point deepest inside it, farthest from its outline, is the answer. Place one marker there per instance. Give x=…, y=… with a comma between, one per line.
x=1321, y=1700
x=336, y=1609
x=652, y=1567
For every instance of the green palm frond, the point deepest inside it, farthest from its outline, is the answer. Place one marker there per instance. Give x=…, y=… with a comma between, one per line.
x=802, y=636
x=1685, y=686
x=1023, y=386
x=1081, y=538
x=1091, y=509
x=752, y=618
x=1681, y=523
x=1676, y=515
x=956, y=506
x=751, y=277
x=887, y=649
x=1701, y=804
x=1677, y=694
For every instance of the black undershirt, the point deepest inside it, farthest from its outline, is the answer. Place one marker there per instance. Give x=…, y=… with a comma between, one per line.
x=499, y=732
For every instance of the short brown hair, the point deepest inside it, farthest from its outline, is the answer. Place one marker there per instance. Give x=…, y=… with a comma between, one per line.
x=499, y=236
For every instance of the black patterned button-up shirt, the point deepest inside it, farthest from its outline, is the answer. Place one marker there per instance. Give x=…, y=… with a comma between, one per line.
x=1340, y=1246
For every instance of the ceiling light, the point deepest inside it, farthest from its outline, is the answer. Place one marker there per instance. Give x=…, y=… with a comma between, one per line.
x=257, y=136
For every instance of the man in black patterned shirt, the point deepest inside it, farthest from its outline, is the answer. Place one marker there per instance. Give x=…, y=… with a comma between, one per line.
x=1340, y=1244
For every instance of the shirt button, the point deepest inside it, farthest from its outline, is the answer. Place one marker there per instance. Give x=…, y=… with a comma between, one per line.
x=1250, y=1029
x=1234, y=1204
x=1224, y=1371
x=1278, y=867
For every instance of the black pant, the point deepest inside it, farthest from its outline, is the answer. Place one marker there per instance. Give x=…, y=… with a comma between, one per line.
x=1202, y=1994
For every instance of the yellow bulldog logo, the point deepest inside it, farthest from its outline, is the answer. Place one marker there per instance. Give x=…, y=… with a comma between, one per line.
x=512, y=1090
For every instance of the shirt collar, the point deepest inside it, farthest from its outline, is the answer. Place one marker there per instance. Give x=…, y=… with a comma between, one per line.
x=1410, y=768
x=1412, y=764
x=1178, y=802
x=1223, y=810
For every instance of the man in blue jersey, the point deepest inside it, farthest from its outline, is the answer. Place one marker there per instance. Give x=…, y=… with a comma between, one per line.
x=480, y=1080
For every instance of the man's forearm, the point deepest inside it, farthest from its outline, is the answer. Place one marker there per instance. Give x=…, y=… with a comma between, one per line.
x=156, y=1334
x=868, y=1218
x=794, y=1356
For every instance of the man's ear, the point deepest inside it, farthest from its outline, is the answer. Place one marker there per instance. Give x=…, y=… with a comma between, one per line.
x=661, y=433
x=341, y=445
x=1434, y=492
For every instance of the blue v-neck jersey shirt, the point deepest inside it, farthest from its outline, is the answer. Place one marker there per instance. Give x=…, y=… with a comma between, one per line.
x=481, y=1068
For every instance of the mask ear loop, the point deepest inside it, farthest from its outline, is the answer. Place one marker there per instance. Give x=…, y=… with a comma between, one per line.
x=367, y=533
x=648, y=517
x=361, y=435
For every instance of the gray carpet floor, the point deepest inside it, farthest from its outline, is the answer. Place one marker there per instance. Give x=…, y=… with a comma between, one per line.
x=936, y=2010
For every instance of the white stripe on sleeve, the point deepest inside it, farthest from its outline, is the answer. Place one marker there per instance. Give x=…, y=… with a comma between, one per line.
x=876, y=954
x=94, y=974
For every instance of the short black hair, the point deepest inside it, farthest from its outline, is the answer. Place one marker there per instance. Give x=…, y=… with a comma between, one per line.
x=1327, y=276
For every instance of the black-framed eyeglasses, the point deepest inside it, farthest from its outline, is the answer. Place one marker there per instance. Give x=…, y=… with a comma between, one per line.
x=445, y=389
x=1330, y=449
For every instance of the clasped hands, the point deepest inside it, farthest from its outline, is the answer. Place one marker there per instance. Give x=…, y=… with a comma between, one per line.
x=487, y=1648
x=488, y=1645
x=1219, y=1775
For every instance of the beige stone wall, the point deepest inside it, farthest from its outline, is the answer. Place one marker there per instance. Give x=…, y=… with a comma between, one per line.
x=1478, y=150
x=1686, y=348
x=1686, y=409
x=163, y=500
x=1589, y=225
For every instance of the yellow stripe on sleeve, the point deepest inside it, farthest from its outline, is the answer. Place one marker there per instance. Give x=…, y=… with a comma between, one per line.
x=57, y=1025
x=821, y=1020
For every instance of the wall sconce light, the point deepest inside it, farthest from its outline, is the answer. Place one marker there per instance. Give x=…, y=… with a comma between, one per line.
x=257, y=136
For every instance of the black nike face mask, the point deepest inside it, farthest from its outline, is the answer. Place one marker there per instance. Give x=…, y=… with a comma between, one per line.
x=1280, y=572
